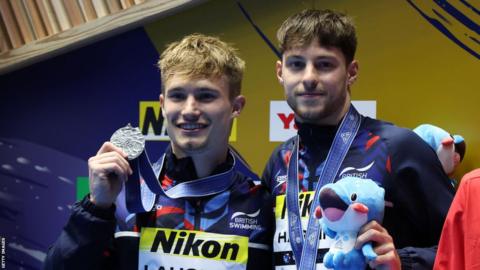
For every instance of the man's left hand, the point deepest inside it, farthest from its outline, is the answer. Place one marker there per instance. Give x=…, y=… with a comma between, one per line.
x=382, y=244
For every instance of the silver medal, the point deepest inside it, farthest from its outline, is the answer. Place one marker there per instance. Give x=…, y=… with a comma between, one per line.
x=130, y=140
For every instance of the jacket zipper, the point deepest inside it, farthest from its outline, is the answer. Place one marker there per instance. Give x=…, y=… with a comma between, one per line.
x=198, y=215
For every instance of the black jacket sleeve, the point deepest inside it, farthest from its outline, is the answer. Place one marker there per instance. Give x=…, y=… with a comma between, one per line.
x=269, y=168
x=84, y=241
x=266, y=175
x=421, y=194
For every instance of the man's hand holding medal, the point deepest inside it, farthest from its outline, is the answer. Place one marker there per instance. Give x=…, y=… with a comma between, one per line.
x=109, y=169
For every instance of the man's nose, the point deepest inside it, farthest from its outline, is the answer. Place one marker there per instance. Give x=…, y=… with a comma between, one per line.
x=310, y=78
x=190, y=109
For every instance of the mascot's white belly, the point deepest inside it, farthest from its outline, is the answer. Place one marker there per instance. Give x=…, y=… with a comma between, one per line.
x=344, y=241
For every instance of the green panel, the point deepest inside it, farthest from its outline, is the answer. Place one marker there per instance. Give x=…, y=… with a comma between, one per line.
x=82, y=187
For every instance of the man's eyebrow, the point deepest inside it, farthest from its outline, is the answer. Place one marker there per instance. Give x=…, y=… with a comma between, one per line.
x=206, y=88
x=325, y=57
x=294, y=56
x=176, y=88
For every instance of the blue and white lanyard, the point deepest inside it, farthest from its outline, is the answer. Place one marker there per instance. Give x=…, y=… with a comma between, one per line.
x=305, y=255
x=137, y=197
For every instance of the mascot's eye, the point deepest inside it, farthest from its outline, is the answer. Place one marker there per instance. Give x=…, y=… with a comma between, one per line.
x=353, y=197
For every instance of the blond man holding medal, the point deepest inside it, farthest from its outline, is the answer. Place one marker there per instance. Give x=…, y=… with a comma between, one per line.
x=195, y=208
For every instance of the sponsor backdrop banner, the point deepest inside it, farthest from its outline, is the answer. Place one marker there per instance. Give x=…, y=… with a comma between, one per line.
x=418, y=64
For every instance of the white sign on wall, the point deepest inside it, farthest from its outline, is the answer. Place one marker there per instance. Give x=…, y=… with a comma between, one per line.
x=282, y=120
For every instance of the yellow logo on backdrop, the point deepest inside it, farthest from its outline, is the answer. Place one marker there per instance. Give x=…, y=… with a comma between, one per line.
x=153, y=125
x=198, y=244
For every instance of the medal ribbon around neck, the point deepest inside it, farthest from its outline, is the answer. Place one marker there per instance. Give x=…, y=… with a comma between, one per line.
x=305, y=255
x=140, y=198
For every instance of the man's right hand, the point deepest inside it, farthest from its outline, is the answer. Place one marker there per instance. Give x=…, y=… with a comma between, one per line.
x=107, y=171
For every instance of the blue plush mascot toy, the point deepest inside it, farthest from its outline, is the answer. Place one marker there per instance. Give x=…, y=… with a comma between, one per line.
x=345, y=206
x=450, y=149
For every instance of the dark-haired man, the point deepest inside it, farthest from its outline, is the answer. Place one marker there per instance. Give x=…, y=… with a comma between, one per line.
x=317, y=70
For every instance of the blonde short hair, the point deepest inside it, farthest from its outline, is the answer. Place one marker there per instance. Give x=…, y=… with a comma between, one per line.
x=201, y=56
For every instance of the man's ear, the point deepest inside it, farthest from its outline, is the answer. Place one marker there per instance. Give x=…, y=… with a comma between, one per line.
x=162, y=104
x=278, y=71
x=352, y=71
x=238, y=104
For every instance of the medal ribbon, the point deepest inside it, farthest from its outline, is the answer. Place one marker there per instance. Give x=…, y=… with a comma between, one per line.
x=305, y=255
x=139, y=198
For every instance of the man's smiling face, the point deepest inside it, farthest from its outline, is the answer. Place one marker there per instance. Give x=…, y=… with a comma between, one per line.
x=316, y=81
x=199, y=113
